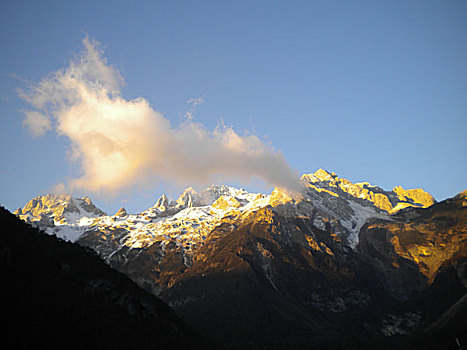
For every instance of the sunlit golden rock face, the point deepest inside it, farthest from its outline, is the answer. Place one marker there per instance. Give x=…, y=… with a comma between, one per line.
x=389, y=201
x=430, y=238
x=319, y=189
x=225, y=202
x=318, y=246
x=417, y=195
x=381, y=201
x=186, y=199
x=279, y=196
x=57, y=209
x=121, y=212
x=424, y=244
x=462, y=198
x=323, y=175
x=49, y=204
x=263, y=216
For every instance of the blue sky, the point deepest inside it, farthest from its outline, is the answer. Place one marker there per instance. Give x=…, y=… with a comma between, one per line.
x=372, y=90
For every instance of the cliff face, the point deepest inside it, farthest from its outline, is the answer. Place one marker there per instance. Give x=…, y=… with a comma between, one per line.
x=427, y=237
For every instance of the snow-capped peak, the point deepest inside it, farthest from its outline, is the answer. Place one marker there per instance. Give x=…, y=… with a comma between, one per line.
x=327, y=183
x=62, y=209
x=190, y=218
x=320, y=175
x=162, y=202
x=121, y=212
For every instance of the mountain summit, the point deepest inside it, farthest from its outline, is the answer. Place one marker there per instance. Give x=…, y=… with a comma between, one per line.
x=389, y=201
x=352, y=204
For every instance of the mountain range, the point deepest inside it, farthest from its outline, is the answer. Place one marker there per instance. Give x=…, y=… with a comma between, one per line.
x=338, y=265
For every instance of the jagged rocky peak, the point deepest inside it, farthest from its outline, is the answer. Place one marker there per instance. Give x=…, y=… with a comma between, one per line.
x=61, y=208
x=462, y=198
x=45, y=202
x=322, y=175
x=389, y=201
x=121, y=212
x=280, y=196
x=86, y=204
x=416, y=195
x=87, y=200
x=190, y=198
x=226, y=202
x=187, y=198
x=162, y=203
x=214, y=192
x=50, y=203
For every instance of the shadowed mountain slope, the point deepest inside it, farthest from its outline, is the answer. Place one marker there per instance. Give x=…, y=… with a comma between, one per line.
x=55, y=294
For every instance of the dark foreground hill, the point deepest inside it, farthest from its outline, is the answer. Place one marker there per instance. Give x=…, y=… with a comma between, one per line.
x=56, y=294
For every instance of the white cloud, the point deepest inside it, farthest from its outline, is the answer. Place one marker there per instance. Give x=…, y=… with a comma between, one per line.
x=195, y=101
x=120, y=142
x=37, y=123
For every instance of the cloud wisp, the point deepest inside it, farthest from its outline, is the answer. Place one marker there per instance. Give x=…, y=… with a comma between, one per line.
x=119, y=143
